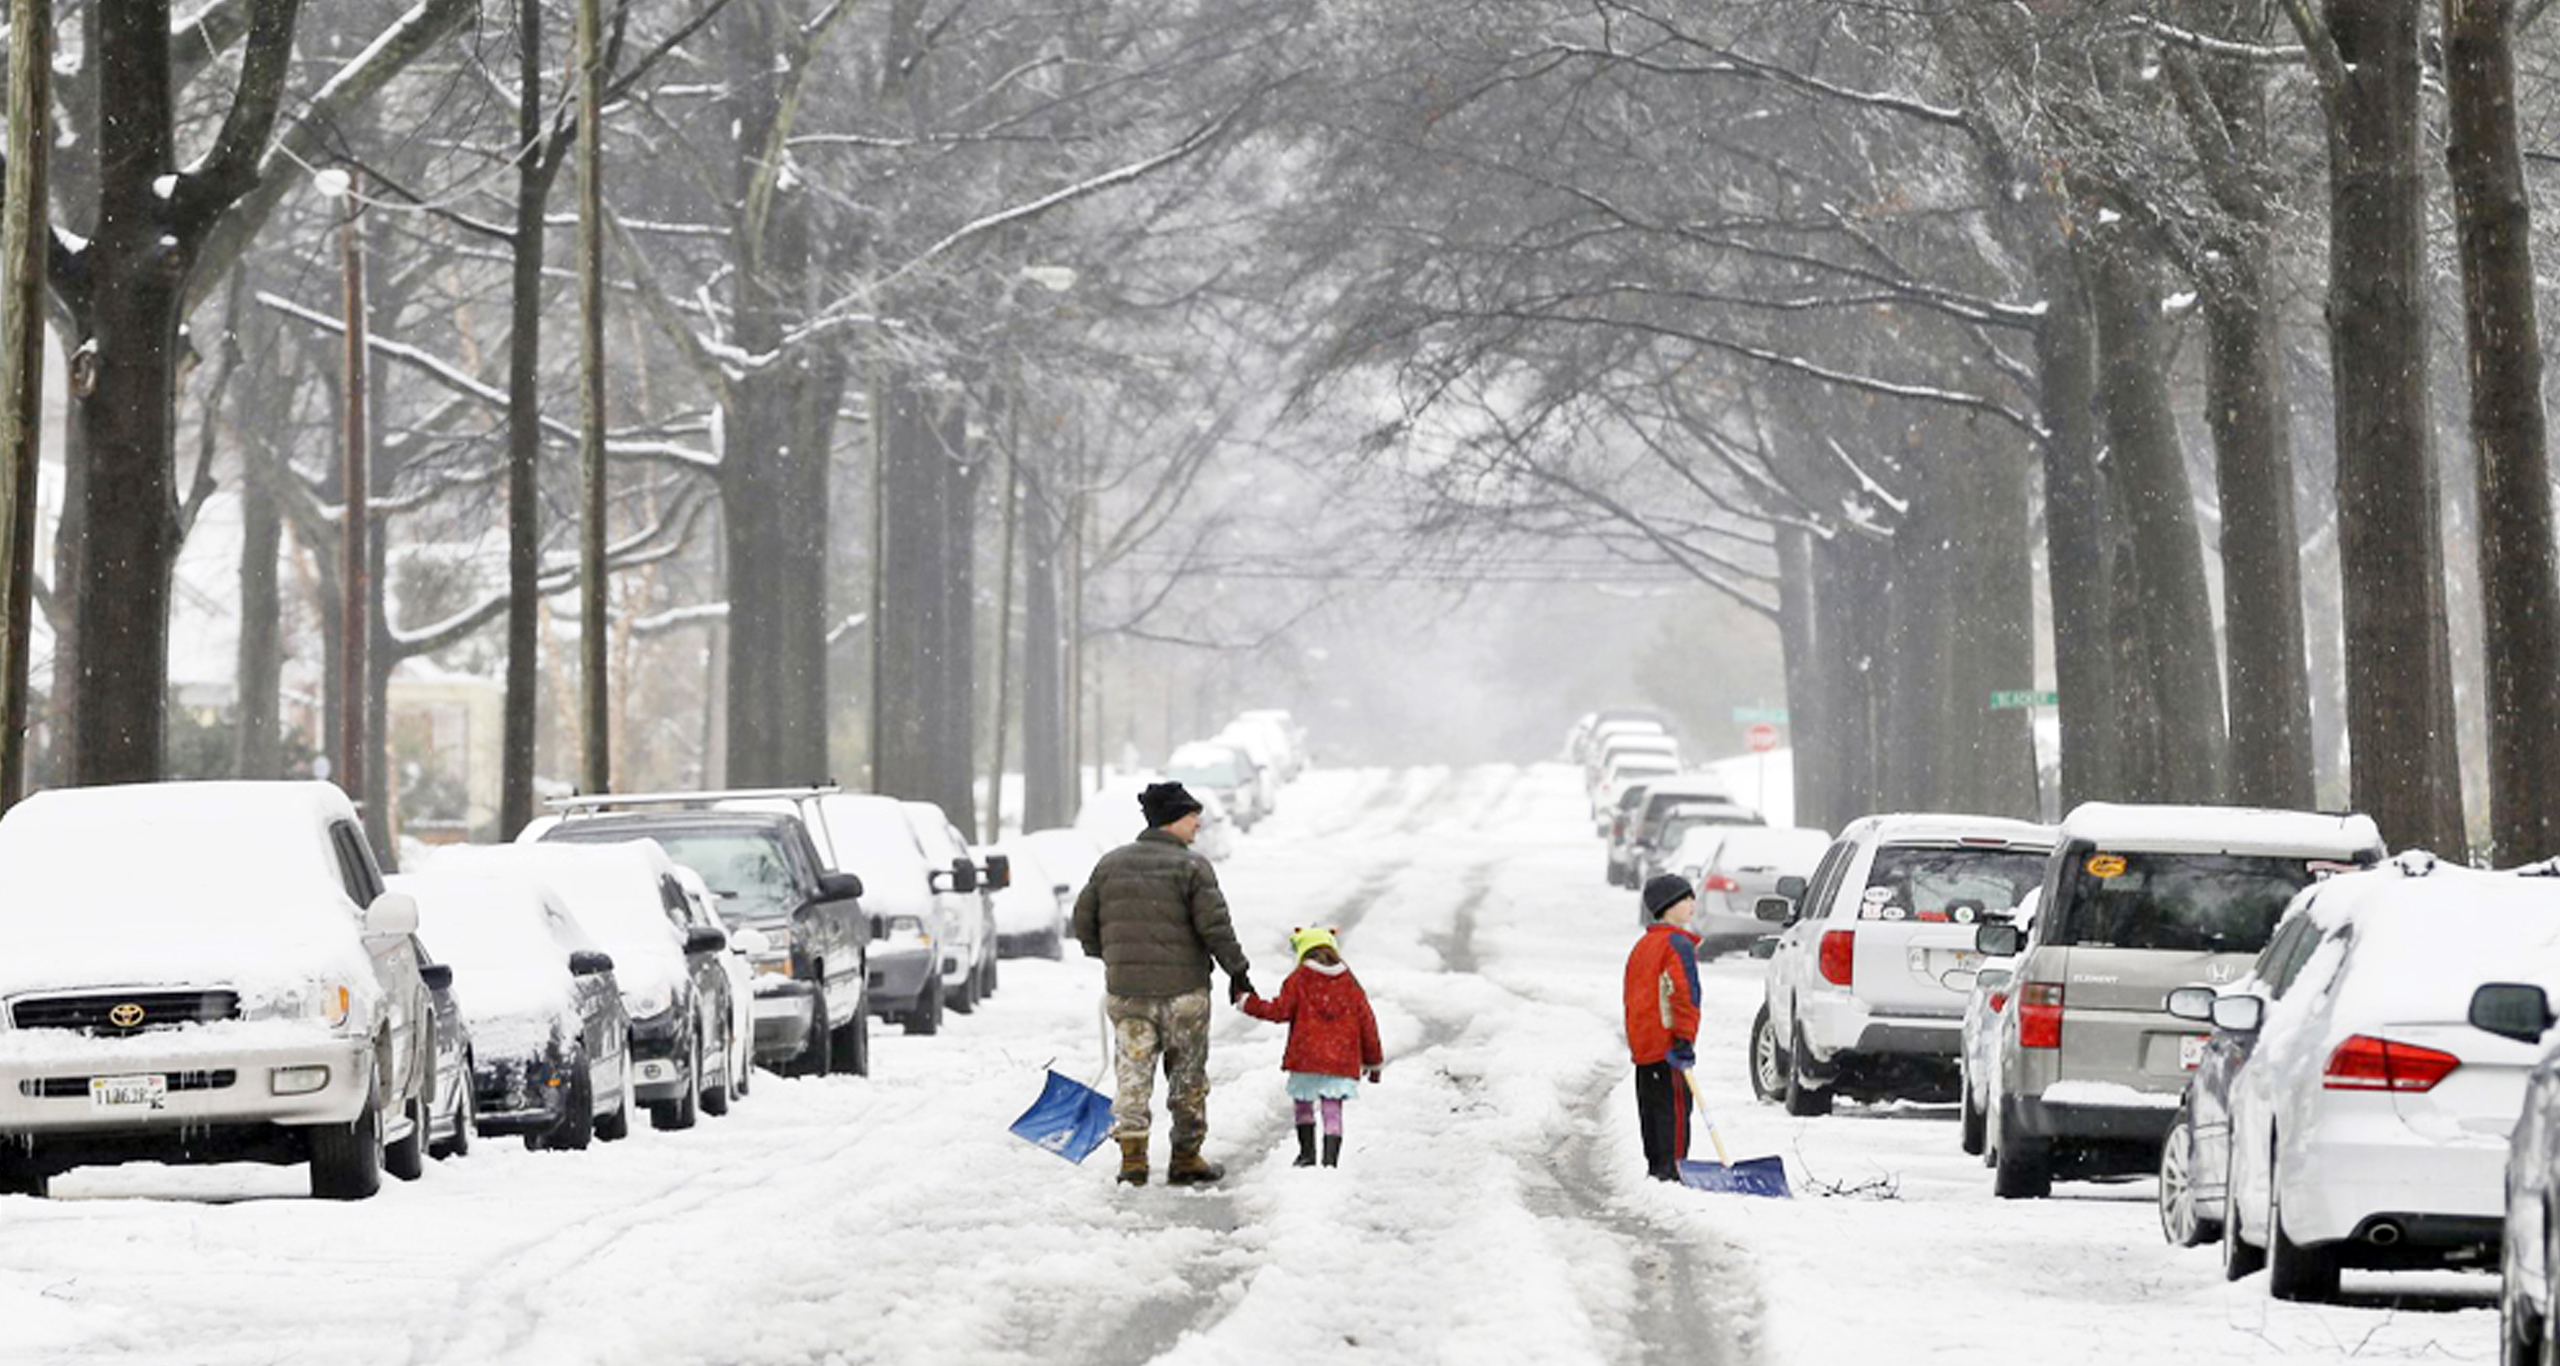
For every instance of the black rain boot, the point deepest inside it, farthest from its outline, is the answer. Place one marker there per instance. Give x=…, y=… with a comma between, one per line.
x=1306, y=1146
x=1333, y=1150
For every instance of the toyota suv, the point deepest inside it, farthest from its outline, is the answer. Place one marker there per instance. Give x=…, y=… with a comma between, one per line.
x=2138, y=901
x=1867, y=982
x=249, y=992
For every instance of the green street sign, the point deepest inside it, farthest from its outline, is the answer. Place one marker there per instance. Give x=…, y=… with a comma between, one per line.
x=2014, y=701
x=1744, y=716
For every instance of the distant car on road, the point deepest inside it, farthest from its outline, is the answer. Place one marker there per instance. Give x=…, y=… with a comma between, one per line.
x=449, y=1100
x=1733, y=866
x=1227, y=769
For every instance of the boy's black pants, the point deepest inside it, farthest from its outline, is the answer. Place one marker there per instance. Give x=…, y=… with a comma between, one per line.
x=1662, y=1113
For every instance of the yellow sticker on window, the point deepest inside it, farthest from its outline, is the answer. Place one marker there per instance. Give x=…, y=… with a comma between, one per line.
x=2106, y=865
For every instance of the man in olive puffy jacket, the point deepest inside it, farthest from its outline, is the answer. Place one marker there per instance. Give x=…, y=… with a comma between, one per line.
x=1153, y=914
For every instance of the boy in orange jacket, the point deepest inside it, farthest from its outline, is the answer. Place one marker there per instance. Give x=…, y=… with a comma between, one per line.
x=1662, y=1022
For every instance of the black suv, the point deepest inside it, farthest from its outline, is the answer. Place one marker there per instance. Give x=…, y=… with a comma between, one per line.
x=812, y=978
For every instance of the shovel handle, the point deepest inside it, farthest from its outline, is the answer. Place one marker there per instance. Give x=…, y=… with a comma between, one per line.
x=1699, y=1103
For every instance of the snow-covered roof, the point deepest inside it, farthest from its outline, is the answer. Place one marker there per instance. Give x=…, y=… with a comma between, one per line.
x=611, y=890
x=510, y=975
x=1928, y=827
x=2439, y=931
x=2222, y=830
x=1702, y=786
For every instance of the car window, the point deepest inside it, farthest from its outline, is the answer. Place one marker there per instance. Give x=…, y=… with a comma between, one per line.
x=356, y=869
x=1943, y=884
x=2271, y=964
x=744, y=869
x=2297, y=953
x=1826, y=879
x=2212, y=903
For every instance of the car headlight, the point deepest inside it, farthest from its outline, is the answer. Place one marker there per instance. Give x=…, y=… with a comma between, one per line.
x=331, y=1003
x=651, y=1002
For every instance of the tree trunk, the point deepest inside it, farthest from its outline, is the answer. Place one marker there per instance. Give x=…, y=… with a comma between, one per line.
x=2494, y=227
x=1048, y=776
x=595, y=696
x=26, y=234
x=2079, y=533
x=2171, y=609
x=2400, y=721
x=909, y=633
x=258, y=753
x=535, y=172
x=953, y=702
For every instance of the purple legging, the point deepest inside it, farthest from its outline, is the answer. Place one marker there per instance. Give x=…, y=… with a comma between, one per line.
x=1306, y=1110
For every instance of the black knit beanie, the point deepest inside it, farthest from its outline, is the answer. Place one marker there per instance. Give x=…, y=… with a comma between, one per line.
x=1663, y=891
x=1166, y=803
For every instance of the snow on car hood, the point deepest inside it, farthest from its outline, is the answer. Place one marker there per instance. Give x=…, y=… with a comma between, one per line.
x=611, y=890
x=180, y=884
x=510, y=977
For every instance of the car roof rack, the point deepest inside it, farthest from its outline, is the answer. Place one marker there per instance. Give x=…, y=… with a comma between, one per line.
x=592, y=803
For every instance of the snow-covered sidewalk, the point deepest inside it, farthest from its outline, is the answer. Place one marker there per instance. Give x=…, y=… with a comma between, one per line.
x=1491, y=1206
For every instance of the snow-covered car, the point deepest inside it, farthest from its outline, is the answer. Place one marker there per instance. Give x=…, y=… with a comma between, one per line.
x=1068, y=854
x=1635, y=832
x=2195, y=1155
x=870, y=837
x=747, y=947
x=1285, y=734
x=550, y=1043
x=1033, y=905
x=1618, y=747
x=1733, y=866
x=2138, y=901
x=1270, y=756
x=969, y=957
x=1224, y=769
x=1110, y=817
x=812, y=983
x=262, y=1002
x=449, y=1100
x=1661, y=843
x=2371, y=1125
x=1984, y=1004
x=624, y=895
x=2528, y=1270
x=1865, y=989
x=1607, y=725
x=1608, y=799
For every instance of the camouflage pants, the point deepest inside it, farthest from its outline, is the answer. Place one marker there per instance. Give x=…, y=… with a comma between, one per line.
x=1176, y=1029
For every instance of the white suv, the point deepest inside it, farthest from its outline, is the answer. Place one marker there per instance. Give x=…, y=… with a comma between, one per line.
x=207, y=972
x=1866, y=985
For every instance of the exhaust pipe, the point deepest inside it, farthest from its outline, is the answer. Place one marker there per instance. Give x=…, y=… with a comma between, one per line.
x=2384, y=1233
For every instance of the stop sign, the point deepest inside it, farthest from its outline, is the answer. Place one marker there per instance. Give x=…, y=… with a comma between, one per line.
x=1761, y=737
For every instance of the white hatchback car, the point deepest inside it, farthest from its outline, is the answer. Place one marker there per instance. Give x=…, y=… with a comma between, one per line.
x=256, y=998
x=1866, y=985
x=2369, y=1127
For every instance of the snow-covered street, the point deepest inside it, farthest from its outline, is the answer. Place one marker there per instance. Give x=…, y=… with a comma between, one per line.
x=1491, y=1206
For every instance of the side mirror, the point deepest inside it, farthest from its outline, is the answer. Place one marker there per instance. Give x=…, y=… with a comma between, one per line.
x=838, y=886
x=2512, y=1010
x=1998, y=941
x=589, y=962
x=879, y=928
x=437, y=976
x=391, y=915
x=964, y=875
x=1773, y=908
x=999, y=872
x=2192, y=1003
x=751, y=942
x=705, y=939
x=1791, y=887
x=1993, y=979
x=1765, y=946
x=2239, y=1014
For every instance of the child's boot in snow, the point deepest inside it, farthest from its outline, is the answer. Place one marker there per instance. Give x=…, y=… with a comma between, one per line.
x=1333, y=1150
x=1306, y=1146
x=1189, y=1168
x=1133, y=1160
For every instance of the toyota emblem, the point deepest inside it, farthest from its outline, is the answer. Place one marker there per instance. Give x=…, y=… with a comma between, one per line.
x=125, y=1015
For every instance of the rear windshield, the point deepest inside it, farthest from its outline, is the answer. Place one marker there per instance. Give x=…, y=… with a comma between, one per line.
x=2210, y=903
x=1681, y=822
x=1943, y=885
x=744, y=870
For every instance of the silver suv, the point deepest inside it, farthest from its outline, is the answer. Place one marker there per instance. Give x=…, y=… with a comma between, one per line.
x=207, y=972
x=2138, y=901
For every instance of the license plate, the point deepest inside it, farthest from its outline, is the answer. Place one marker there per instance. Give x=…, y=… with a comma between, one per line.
x=148, y=1092
x=2191, y=1051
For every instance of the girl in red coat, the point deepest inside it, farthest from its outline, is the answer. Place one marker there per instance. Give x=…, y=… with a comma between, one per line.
x=1333, y=1038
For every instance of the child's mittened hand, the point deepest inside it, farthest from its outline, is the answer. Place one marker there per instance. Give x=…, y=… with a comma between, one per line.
x=1376, y=1075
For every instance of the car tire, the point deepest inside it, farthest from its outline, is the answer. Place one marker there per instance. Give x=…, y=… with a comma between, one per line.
x=2240, y=1257
x=715, y=1099
x=407, y=1159
x=988, y=987
x=685, y=1110
x=2297, y=1272
x=615, y=1127
x=346, y=1159
x=2179, y=1222
x=926, y=1018
x=853, y=1046
x=2022, y=1165
x=1053, y=946
x=2520, y=1333
x=19, y=1177
x=1766, y=1062
x=1971, y=1129
x=963, y=998
x=465, y=1115
x=577, y=1126
x=817, y=1058
x=1802, y=1099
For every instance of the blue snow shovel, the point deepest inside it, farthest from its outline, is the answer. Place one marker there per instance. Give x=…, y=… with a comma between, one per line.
x=1766, y=1176
x=1070, y=1119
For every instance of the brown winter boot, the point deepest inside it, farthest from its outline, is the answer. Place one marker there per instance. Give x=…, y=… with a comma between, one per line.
x=1133, y=1160
x=1189, y=1168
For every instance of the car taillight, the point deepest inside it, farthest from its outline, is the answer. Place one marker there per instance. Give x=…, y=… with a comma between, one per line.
x=2040, y=1015
x=1838, y=960
x=2365, y=1063
x=1718, y=882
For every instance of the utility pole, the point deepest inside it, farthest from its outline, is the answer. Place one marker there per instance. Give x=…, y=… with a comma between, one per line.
x=355, y=628
x=596, y=706
x=1004, y=604
x=25, y=233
